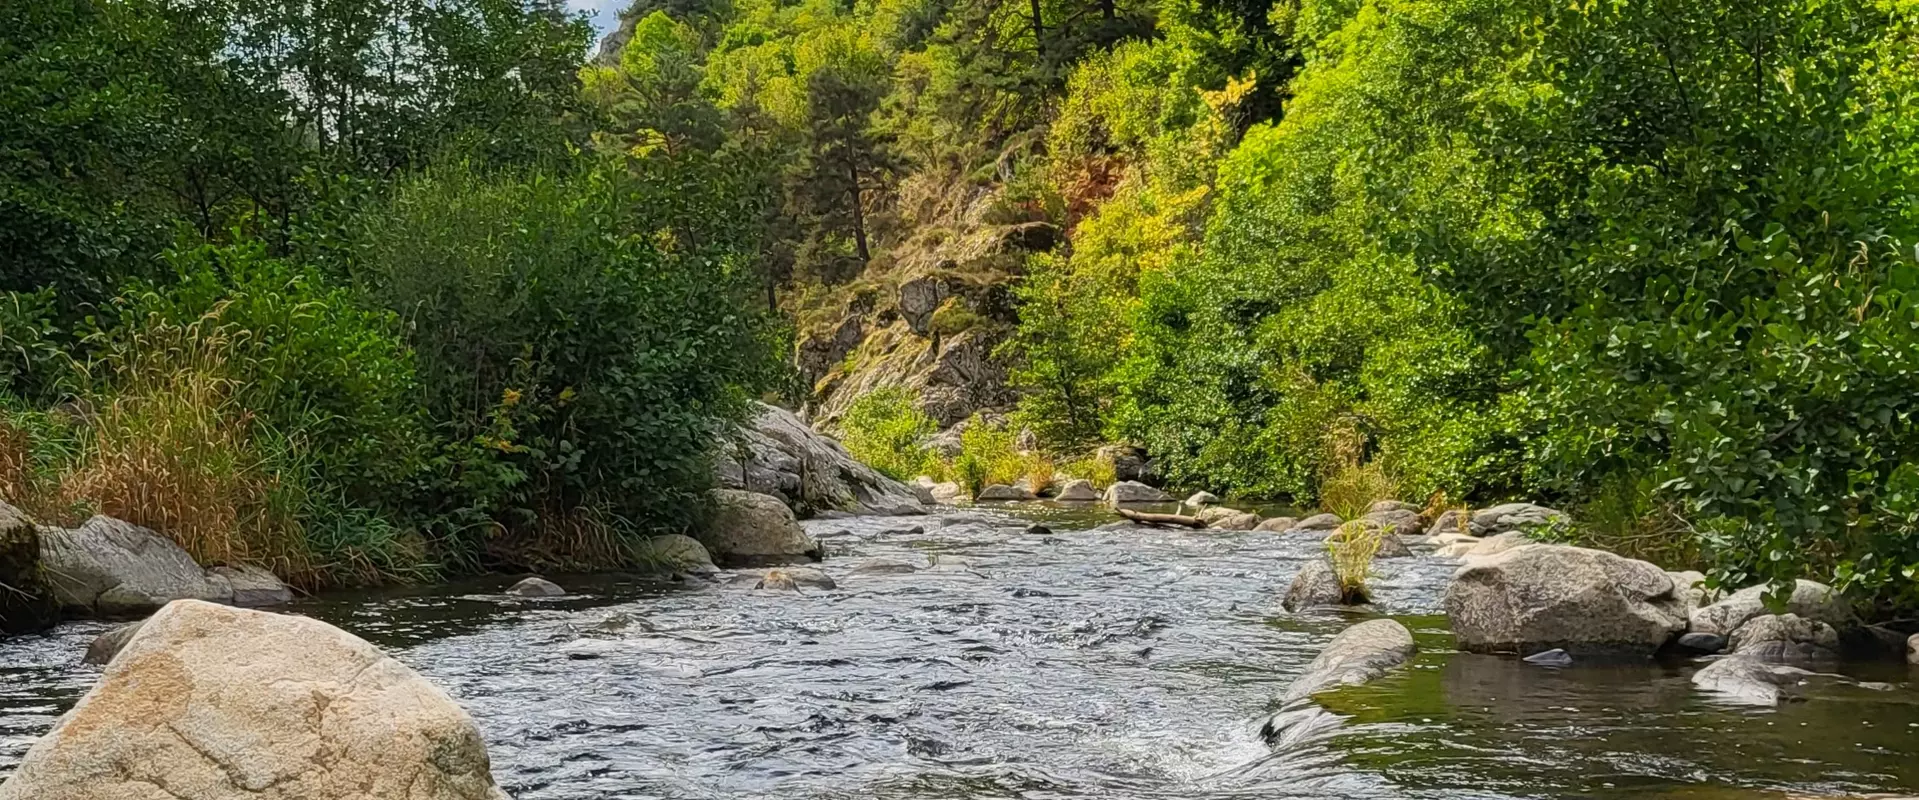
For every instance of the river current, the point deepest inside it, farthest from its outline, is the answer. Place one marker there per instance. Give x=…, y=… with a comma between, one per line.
x=1075, y=663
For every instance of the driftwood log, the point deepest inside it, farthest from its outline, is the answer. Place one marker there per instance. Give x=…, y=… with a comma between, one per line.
x=1144, y=518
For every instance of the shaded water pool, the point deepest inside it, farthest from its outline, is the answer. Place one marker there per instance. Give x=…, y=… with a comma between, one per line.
x=1078, y=663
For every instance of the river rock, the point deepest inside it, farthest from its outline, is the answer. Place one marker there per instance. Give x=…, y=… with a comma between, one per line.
x=1458, y=548
x=1399, y=520
x=1129, y=463
x=1690, y=584
x=1810, y=600
x=1358, y=654
x=778, y=454
x=1912, y=649
x=1550, y=658
x=1516, y=517
x=792, y=578
x=1497, y=543
x=211, y=702
x=677, y=552
x=886, y=566
x=1750, y=681
x=1202, y=499
x=1077, y=490
x=1235, y=521
x=1391, y=545
x=1586, y=602
x=30, y=606
x=1277, y=525
x=253, y=587
x=1125, y=492
x=536, y=586
x=753, y=530
x=111, y=568
x=1319, y=522
x=107, y=645
x=1453, y=521
x=1785, y=639
x=1000, y=492
x=1314, y=585
x=1695, y=642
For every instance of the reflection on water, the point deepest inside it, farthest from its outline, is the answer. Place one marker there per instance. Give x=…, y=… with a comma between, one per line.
x=1076, y=663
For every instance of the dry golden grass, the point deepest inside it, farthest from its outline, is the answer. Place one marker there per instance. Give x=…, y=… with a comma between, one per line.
x=1040, y=472
x=1352, y=489
x=1351, y=549
x=171, y=450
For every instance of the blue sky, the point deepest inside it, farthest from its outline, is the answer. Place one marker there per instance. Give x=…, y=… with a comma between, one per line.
x=606, y=13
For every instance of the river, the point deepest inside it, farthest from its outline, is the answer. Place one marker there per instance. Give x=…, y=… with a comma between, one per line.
x=1079, y=663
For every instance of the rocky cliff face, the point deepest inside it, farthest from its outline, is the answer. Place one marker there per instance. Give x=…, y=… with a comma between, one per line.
x=780, y=455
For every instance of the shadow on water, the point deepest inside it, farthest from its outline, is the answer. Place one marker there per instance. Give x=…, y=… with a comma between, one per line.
x=1065, y=664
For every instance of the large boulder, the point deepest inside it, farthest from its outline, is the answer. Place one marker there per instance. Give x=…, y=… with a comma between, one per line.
x=1077, y=490
x=1810, y=600
x=779, y=455
x=1498, y=519
x=1319, y=522
x=1125, y=492
x=752, y=530
x=1277, y=524
x=217, y=703
x=1542, y=597
x=1399, y=520
x=1749, y=681
x=26, y=605
x=1202, y=499
x=111, y=568
x=1358, y=654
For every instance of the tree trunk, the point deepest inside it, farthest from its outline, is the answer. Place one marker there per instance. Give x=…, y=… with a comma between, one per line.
x=859, y=214
x=1160, y=519
x=1039, y=30
x=1108, y=9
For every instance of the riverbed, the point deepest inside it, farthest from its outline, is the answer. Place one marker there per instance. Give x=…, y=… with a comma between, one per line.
x=1070, y=663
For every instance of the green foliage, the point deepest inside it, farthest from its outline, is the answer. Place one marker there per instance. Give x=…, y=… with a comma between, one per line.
x=1351, y=490
x=578, y=338
x=888, y=431
x=33, y=359
x=988, y=455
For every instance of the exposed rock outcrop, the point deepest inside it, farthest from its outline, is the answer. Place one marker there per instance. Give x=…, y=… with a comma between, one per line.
x=111, y=568
x=750, y=529
x=780, y=455
x=26, y=604
x=1358, y=654
x=1810, y=600
x=1126, y=492
x=1586, y=602
x=309, y=713
x=1077, y=490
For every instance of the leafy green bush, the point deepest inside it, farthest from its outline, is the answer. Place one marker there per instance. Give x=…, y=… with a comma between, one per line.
x=887, y=431
x=580, y=339
x=988, y=455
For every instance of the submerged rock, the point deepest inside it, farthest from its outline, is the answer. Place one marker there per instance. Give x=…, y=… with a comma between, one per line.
x=1750, y=681
x=309, y=713
x=1810, y=600
x=792, y=578
x=30, y=606
x=535, y=586
x=751, y=530
x=1358, y=654
x=112, y=568
x=1550, y=658
x=1126, y=492
x=1077, y=490
x=778, y=454
x=1586, y=602
x=886, y=566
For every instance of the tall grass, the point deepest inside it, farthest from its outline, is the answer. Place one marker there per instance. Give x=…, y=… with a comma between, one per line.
x=1351, y=549
x=1351, y=489
x=169, y=448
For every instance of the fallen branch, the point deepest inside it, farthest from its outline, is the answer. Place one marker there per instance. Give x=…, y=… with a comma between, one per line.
x=1144, y=518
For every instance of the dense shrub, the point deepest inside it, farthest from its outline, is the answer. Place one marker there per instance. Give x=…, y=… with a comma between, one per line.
x=887, y=430
x=579, y=336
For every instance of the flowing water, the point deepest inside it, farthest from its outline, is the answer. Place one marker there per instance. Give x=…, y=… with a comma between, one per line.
x=1073, y=664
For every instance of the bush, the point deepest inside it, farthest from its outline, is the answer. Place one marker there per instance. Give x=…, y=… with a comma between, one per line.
x=1353, y=489
x=988, y=455
x=580, y=340
x=887, y=431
